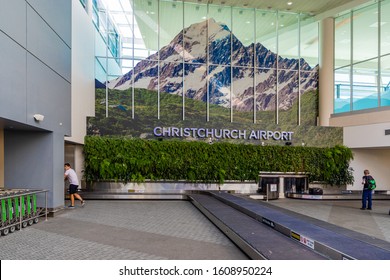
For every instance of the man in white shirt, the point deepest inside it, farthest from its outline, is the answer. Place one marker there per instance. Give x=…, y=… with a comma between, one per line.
x=71, y=175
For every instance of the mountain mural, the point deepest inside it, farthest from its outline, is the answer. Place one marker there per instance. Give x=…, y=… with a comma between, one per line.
x=220, y=74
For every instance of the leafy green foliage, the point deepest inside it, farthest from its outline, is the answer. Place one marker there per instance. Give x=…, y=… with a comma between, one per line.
x=124, y=159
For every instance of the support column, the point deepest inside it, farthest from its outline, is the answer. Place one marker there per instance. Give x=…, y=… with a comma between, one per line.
x=326, y=75
x=35, y=160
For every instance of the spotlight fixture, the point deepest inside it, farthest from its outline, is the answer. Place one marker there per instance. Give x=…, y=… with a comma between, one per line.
x=38, y=117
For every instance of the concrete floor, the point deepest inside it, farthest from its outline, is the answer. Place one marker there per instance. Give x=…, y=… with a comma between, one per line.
x=170, y=229
x=122, y=230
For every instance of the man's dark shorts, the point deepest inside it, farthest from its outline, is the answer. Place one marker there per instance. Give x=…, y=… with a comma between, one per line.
x=73, y=189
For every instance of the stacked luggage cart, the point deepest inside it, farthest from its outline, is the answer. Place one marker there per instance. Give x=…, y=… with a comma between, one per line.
x=19, y=208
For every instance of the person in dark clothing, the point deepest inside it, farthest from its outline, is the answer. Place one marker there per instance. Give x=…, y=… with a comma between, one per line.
x=367, y=193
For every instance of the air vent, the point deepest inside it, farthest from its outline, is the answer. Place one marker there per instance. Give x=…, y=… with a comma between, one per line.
x=387, y=131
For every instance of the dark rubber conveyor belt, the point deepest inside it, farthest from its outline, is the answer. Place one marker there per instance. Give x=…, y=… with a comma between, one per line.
x=329, y=243
x=257, y=240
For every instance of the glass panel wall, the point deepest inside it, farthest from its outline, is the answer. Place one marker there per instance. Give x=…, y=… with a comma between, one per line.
x=385, y=27
x=219, y=35
x=365, y=21
x=362, y=77
x=243, y=36
x=266, y=61
x=342, y=90
x=342, y=34
x=288, y=41
x=171, y=86
x=219, y=89
x=365, y=85
x=385, y=81
x=195, y=92
x=265, y=96
x=309, y=43
x=242, y=96
x=147, y=34
x=288, y=97
x=206, y=62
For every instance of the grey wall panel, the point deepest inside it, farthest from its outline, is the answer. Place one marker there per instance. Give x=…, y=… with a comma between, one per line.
x=48, y=94
x=12, y=80
x=57, y=14
x=34, y=160
x=13, y=19
x=46, y=45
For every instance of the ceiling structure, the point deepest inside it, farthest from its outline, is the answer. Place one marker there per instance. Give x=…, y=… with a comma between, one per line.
x=313, y=7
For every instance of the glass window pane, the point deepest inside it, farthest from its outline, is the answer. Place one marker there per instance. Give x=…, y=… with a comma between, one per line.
x=265, y=96
x=242, y=95
x=100, y=69
x=309, y=97
x=146, y=25
x=288, y=41
x=195, y=86
x=365, y=85
x=171, y=27
x=266, y=39
x=219, y=93
x=385, y=27
x=195, y=33
x=385, y=81
x=243, y=36
x=342, y=41
x=309, y=43
x=288, y=97
x=171, y=91
x=219, y=31
x=365, y=21
x=342, y=90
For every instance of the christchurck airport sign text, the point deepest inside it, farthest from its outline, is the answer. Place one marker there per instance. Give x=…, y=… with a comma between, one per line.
x=222, y=133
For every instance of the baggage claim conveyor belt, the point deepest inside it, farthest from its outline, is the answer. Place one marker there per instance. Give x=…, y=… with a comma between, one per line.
x=266, y=233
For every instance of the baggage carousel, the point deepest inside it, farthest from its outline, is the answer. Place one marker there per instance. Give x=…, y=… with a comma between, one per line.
x=345, y=195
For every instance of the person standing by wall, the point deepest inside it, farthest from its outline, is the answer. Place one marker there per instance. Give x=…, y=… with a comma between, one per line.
x=367, y=192
x=71, y=175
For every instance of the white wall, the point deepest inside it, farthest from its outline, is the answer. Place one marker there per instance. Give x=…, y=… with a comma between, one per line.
x=377, y=161
x=83, y=72
x=367, y=136
x=371, y=150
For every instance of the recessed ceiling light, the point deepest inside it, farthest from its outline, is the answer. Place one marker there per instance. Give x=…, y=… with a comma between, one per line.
x=289, y=3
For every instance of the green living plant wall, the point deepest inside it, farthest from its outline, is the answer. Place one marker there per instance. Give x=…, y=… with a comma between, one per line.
x=124, y=159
